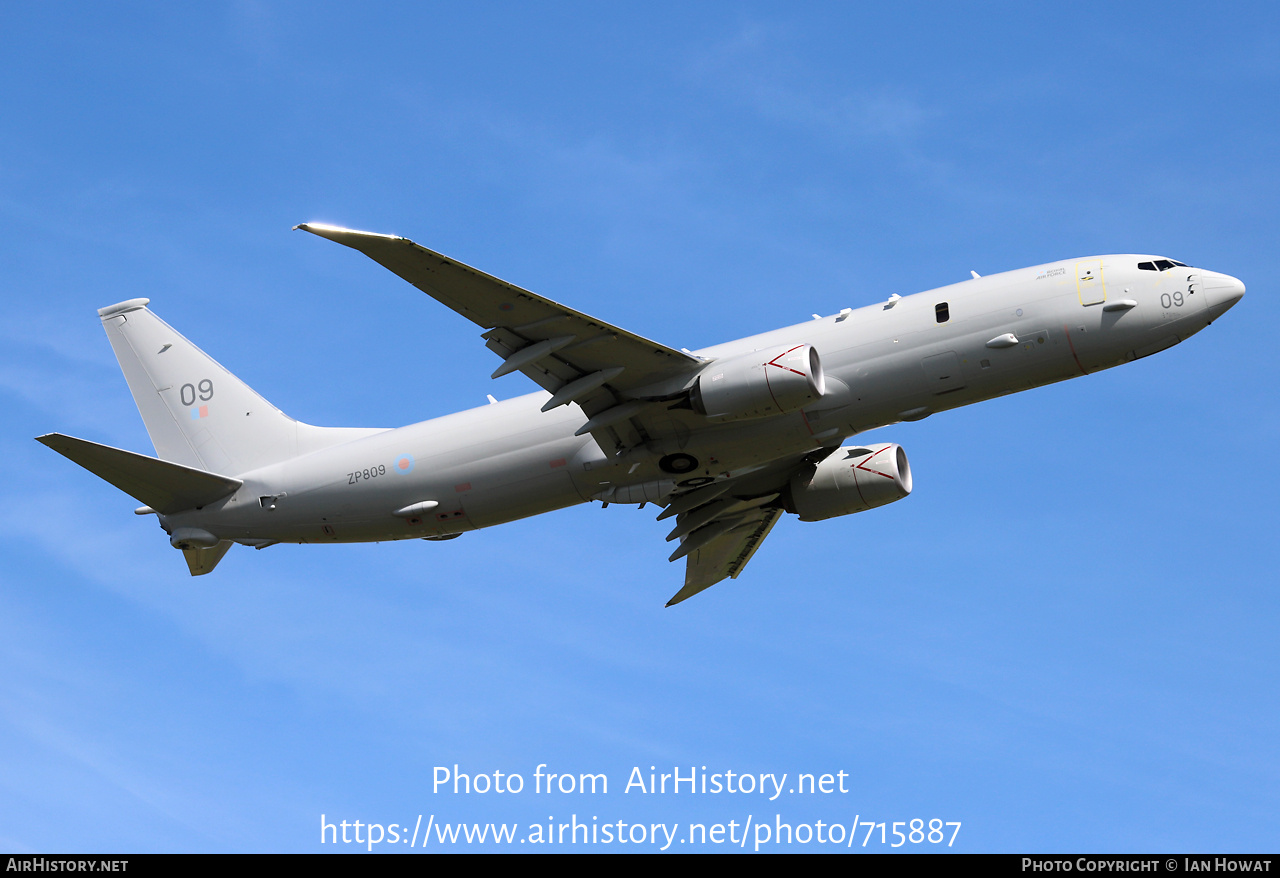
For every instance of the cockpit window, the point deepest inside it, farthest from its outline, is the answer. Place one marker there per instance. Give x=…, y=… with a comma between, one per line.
x=1161, y=265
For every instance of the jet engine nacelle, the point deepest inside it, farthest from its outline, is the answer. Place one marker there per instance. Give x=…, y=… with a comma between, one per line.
x=760, y=384
x=851, y=480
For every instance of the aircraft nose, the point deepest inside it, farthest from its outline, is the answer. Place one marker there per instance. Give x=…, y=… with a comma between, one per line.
x=1222, y=291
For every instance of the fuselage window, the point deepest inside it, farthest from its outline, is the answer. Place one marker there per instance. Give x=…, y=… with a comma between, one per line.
x=942, y=312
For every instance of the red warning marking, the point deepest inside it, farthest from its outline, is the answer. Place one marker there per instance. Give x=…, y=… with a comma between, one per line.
x=859, y=487
x=774, y=361
x=556, y=463
x=1071, y=345
x=860, y=466
x=465, y=486
x=868, y=460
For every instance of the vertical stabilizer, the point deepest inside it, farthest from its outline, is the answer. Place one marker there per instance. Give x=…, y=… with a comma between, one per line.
x=196, y=412
x=201, y=560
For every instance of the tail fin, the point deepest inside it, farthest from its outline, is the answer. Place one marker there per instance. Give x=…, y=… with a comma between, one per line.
x=201, y=561
x=196, y=412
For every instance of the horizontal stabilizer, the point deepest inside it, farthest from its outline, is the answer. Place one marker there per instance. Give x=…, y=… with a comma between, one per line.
x=165, y=487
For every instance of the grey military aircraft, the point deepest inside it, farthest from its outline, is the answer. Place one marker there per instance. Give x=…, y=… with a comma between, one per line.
x=723, y=439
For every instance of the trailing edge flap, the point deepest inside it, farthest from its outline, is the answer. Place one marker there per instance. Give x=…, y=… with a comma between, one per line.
x=576, y=344
x=726, y=555
x=165, y=487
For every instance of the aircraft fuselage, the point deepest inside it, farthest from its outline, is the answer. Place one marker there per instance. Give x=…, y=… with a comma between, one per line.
x=898, y=360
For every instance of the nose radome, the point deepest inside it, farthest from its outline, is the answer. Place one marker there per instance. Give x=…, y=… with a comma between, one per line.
x=1222, y=291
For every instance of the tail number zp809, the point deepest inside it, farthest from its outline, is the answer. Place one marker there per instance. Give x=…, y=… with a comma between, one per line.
x=363, y=475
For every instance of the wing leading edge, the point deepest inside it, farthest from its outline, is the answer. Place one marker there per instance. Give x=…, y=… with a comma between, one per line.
x=602, y=368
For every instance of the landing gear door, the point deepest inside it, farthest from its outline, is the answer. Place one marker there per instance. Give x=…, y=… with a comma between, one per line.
x=1089, y=282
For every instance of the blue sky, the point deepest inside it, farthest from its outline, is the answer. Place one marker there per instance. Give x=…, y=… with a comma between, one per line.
x=1064, y=639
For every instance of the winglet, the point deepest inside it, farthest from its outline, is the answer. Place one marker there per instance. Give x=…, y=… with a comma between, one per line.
x=341, y=235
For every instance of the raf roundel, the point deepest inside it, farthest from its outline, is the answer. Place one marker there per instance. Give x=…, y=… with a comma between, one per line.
x=403, y=464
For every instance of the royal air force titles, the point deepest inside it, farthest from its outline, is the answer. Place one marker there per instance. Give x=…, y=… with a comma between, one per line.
x=680, y=780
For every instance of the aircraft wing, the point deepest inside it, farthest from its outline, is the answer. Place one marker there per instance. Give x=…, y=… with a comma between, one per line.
x=573, y=355
x=725, y=554
x=721, y=525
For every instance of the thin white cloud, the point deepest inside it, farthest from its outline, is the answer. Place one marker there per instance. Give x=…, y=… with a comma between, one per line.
x=756, y=67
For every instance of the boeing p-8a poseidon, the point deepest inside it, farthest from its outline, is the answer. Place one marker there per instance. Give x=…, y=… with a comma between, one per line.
x=725, y=439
